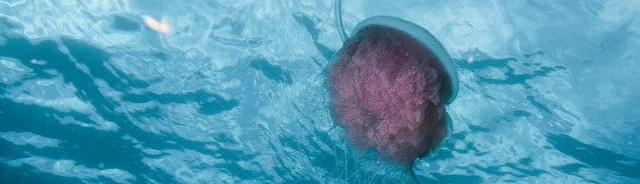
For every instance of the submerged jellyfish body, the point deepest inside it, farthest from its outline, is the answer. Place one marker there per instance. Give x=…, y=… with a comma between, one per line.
x=389, y=86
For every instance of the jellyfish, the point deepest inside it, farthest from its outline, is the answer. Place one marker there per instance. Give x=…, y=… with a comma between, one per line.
x=389, y=84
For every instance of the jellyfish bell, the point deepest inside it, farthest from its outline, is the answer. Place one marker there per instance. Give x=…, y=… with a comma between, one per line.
x=424, y=37
x=389, y=84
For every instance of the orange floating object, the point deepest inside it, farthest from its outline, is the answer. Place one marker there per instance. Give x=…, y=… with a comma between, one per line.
x=161, y=27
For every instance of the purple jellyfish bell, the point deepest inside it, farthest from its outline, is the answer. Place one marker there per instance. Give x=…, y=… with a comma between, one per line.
x=390, y=83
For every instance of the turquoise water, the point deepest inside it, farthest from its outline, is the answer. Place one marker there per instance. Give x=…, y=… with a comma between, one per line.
x=235, y=93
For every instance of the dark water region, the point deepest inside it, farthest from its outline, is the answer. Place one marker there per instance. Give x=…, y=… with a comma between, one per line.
x=124, y=23
x=271, y=71
x=82, y=65
x=309, y=24
x=593, y=156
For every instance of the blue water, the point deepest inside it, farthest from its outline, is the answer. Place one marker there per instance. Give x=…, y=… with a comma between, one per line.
x=235, y=93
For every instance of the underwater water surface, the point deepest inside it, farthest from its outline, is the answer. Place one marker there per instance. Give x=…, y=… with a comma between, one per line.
x=236, y=92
